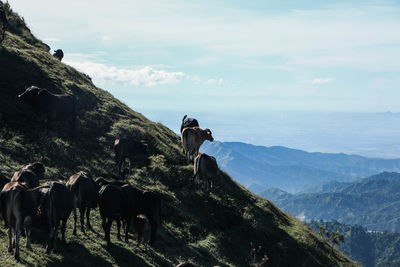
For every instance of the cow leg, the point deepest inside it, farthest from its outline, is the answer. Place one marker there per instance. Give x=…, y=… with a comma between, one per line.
x=109, y=223
x=28, y=237
x=88, y=219
x=75, y=218
x=63, y=226
x=119, y=228
x=104, y=225
x=55, y=234
x=187, y=157
x=17, y=237
x=50, y=242
x=127, y=226
x=154, y=226
x=10, y=240
x=82, y=216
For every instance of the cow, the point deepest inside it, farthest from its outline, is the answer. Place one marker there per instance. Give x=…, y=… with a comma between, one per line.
x=55, y=206
x=205, y=170
x=142, y=229
x=143, y=202
x=18, y=206
x=59, y=54
x=129, y=208
x=111, y=205
x=30, y=174
x=128, y=148
x=84, y=195
x=149, y=204
x=192, y=139
x=55, y=107
x=4, y=22
x=188, y=122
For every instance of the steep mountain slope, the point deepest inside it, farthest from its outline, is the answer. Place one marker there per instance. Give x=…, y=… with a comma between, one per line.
x=292, y=170
x=209, y=230
x=372, y=202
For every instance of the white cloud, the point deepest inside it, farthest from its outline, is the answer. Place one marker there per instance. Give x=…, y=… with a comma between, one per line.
x=105, y=38
x=146, y=76
x=322, y=80
x=214, y=81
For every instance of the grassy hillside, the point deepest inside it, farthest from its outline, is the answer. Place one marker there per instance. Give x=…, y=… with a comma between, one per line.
x=214, y=230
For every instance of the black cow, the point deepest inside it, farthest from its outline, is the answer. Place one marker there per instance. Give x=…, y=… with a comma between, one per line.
x=55, y=206
x=128, y=148
x=111, y=205
x=18, y=206
x=59, y=54
x=127, y=210
x=55, y=107
x=189, y=122
x=4, y=22
x=85, y=196
x=205, y=170
x=149, y=204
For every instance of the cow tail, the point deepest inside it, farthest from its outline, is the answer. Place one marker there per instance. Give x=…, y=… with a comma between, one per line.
x=184, y=117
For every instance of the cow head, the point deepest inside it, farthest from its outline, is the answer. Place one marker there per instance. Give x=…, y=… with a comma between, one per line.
x=38, y=168
x=209, y=136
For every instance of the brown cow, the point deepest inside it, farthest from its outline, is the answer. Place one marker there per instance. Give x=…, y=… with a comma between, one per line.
x=55, y=107
x=192, y=139
x=128, y=148
x=205, y=170
x=18, y=207
x=85, y=195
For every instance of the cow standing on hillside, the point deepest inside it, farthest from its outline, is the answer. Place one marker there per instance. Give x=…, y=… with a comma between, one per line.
x=18, y=206
x=192, y=139
x=4, y=22
x=205, y=170
x=59, y=54
x=147, y=203
x=128, y=148
x=55, y=107
x=85, y=196
x=55, y=206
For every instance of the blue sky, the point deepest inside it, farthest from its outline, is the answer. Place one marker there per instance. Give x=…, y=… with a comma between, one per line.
x=223, y=56
x=243, y=63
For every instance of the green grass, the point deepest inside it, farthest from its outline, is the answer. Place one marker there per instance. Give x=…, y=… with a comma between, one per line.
x=208, y=230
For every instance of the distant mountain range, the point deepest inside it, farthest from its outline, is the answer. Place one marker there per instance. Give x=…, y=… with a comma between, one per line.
x=260, y=168
x=370, y=248
x=373, y=202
